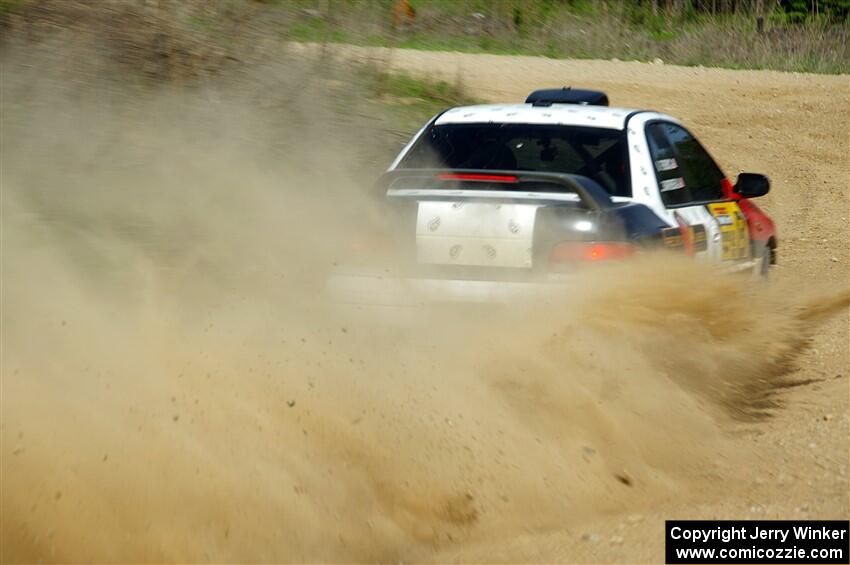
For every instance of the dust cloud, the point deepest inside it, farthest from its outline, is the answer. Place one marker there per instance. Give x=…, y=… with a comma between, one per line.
x=175, y=386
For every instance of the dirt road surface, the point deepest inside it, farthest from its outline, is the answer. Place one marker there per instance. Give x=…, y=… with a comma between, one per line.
x=174, y=390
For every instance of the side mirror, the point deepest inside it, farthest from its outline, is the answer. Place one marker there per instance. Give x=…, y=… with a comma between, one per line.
x=751, y=185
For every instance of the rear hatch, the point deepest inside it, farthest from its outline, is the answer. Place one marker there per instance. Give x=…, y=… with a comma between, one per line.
x=500, y=225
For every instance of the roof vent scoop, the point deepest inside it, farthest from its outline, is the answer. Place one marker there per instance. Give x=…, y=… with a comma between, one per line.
x=567, y=95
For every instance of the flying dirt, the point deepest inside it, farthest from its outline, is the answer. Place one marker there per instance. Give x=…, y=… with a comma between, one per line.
x=176, y=387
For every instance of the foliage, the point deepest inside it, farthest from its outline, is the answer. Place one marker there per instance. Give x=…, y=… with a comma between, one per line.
x=791, y=35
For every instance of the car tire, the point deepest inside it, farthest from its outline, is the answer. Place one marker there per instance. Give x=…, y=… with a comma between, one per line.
x=762, y=267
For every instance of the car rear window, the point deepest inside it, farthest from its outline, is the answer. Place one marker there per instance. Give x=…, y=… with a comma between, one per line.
x=601, y=154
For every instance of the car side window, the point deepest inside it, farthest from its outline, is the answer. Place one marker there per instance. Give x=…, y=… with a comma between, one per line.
x=691, y=175
x=671, y=181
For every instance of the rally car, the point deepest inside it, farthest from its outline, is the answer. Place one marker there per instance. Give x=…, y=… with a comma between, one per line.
x=500, y=198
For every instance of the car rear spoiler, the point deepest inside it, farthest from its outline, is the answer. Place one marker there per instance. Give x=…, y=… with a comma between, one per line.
x=567, y=95
x=485, y=184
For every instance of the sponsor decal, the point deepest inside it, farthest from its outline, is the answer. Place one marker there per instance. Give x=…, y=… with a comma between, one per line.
x=691, y=238
x=724, y=220
x=672, y=184
x=734, y=233
x=672, y=237
x=662, y=165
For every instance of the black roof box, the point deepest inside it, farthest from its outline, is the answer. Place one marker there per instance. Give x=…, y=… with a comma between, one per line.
x=567, y=95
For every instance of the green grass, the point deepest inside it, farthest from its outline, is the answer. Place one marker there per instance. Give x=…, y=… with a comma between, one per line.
x=9, y=6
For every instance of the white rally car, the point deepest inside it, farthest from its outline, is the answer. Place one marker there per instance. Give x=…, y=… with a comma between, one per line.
x=503, y=198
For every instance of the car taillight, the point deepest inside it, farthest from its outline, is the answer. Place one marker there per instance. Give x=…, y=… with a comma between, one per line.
x=478, y=177
x=567, y=251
